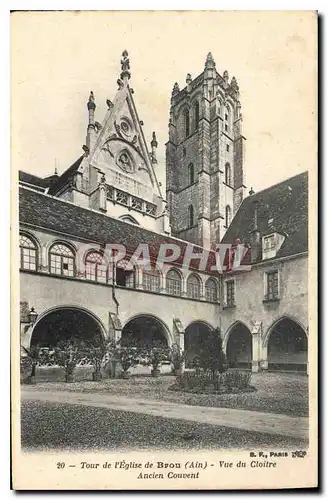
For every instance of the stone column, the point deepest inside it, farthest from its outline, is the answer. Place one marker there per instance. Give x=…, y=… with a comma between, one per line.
x=256, y=346
x=264, y=360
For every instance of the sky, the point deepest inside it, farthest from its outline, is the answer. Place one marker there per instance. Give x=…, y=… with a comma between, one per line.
x=58, y=57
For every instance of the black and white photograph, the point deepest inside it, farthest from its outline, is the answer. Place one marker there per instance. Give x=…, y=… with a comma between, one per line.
x=165, y=169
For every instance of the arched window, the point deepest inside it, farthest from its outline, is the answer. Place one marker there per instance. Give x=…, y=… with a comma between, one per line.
x=190, y=215
x=211, y=291
x=96, y=267
x=228, y=174
x=151, y=280
x=193, y=286
x=187, y=122
x=227, y=216
x=191, y=173
x=227, y=119
x=129, y=218
x=196, y=114
x=173, y=283
x=62, y=260
x=28, y=253
x=125, y=274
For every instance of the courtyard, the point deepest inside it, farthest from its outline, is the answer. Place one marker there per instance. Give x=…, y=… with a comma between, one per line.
x=144, y=412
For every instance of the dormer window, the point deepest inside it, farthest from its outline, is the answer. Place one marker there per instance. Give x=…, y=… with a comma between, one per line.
x=271, y=244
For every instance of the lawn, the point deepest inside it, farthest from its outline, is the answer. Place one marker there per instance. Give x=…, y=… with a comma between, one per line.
x=49, y=426
x=285, y=393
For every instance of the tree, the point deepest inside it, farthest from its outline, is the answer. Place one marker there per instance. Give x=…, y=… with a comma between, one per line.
x=211, y=357
x=154, y=357
x=67, y=355
x=127, y=355
x=95, y=352
x=30, y=361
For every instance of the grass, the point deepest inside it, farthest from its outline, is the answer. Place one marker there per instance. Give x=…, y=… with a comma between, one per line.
x=285, y=393
x=49, y=426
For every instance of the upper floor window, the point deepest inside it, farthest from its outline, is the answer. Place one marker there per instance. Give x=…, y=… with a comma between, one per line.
x=173, y=283
x=228, y=174
x=62, y=260
x=230, y=293
x=96, y=267
x=227, y=118
x=196, y=114
x=151, y=280
x=125, y=274
x=272, y=285
x=193, y=286
x=190, y=215
x=227, y=216
x=191, y=173
x=187, y=122
x=28, y=253
x=269, y=242
x=211, y=291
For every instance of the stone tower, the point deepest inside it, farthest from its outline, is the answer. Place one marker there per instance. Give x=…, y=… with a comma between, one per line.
x=204, y=156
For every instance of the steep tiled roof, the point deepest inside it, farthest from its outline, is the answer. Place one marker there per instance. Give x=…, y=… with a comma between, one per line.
x=282, y=208
x=62, y=180
x=33, y=180
x=51, y=213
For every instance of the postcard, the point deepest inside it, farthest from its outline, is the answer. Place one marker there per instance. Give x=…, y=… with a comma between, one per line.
x=164, y=250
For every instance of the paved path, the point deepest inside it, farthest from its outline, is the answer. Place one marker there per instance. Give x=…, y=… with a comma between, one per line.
x=247, y=420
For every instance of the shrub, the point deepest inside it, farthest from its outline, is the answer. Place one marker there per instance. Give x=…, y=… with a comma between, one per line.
x=67, y=355
x=154, y=357
x=29, y=362
x=203, y=382
x=95, y=353
x=128, y=356
x=211, y=356
x=177, y=356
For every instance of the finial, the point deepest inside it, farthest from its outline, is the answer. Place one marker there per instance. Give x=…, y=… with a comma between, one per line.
x=91, y=102
x=251, y=192
x=188, y=79
x=226, y=76
x=233, y=82
x=209, y=61
x=176, y=88
x=154, y=142
x=56, y=171
x=125, y=65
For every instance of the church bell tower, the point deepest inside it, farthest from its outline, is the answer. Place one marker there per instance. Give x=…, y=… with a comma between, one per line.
x=204, y=156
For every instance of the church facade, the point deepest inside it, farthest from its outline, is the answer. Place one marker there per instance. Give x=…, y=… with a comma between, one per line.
x=110, y=199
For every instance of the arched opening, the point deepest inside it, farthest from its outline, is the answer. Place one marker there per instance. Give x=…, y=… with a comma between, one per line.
x=227, y=216
x=194, y=286
x=190, y=215
x=191, y=173
x=239, y=347
x=129, y=218
x=145, y=331
x=173, y=282
x=287, y=346
x=62, y=259
x=196, y=114
x=96, y=267
x=187, y=122
x=228, y=174
x=28, y=253
x=211, y=290
x=66, y=323
x=195, y=336
x=125, y=274
x=151, y=280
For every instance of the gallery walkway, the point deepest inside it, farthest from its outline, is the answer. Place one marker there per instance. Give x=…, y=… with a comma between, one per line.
x=269, y=423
